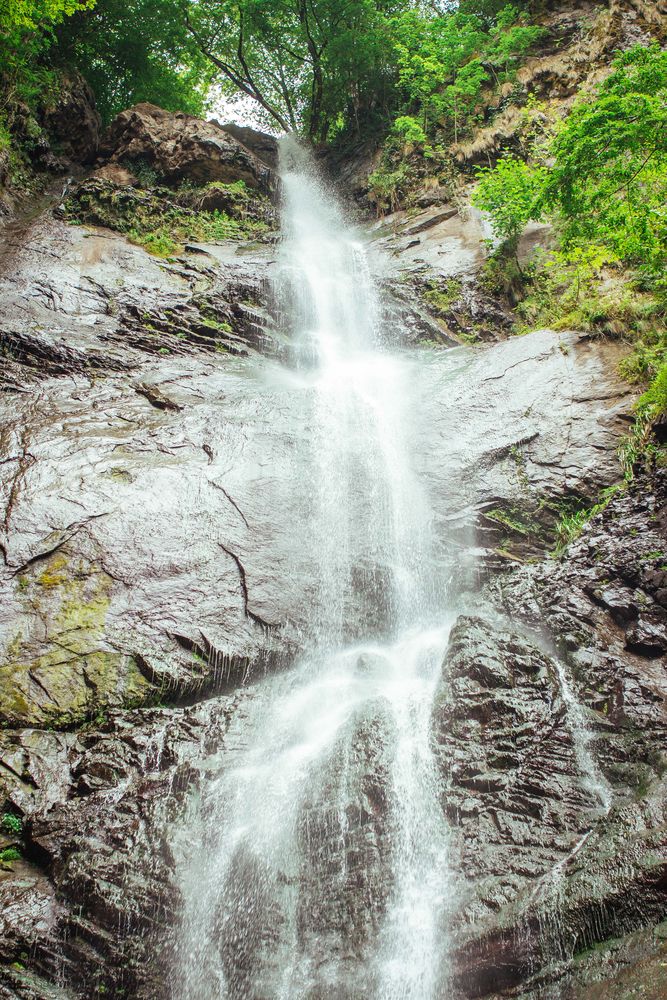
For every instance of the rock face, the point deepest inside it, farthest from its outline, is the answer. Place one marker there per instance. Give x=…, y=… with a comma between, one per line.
x=264, y=146
x=552, y=409
x=550, y=724
x=156, y=562
x=100, y=802
x=178, y=146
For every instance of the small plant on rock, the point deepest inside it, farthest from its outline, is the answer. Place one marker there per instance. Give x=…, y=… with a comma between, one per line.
x=11, y=823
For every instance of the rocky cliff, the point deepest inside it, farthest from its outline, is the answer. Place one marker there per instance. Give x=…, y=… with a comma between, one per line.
x=152, y=572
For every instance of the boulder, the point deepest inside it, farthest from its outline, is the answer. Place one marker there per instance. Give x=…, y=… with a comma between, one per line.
x=264, y=147
x=114, y=174
x=181, y=147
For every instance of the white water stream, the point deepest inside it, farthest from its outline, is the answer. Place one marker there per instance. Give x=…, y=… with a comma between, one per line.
x=343, y=738
x=321, y=867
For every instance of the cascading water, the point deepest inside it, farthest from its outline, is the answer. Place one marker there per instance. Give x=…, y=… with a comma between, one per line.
x=323, y=868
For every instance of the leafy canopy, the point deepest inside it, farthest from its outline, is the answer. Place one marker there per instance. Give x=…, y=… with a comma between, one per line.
x=609, y=180
x=308, y=64
x=20, y=14
x=444, y=61
x=136, y=50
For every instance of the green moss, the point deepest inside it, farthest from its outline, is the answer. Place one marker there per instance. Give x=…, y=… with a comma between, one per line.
x=443, y=296
x=237, y=190
x=9, y=854
x=53, y=575
x=63, y=682
x=210, y=319
x=119, y=474
x=575, y=516
x=513, y=522
x=162, y=221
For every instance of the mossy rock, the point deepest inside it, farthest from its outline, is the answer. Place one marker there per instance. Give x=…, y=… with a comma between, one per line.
x=71, y=675
x=163, y=220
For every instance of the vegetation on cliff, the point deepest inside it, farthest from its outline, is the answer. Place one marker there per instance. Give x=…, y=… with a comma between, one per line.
x=322, y=67
x=600, y=176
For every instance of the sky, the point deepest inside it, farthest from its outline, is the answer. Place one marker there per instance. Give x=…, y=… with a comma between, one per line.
x=241, y=110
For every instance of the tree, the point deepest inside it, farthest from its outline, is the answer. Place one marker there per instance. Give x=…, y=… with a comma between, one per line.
x=26, y=32
x=35, y=14
x=445, y=60
x=136, y=50
x=305, y=62
x=609, y=179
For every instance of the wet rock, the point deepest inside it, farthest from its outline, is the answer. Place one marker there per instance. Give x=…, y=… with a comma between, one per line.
x=512, y=786
x=619, y=601
x=647, y=638
x=150, y=554
x=156, y=397
x=514, y=457
x=100, y=857
x=345, y=827
x=604, y=887
x=178, y=147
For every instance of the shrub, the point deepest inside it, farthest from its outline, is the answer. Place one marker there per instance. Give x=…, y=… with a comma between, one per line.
x=11, y=823
x=509, y=192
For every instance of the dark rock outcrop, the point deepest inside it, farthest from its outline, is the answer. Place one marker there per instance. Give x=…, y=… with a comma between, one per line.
x=263, y=146
x=551, y=724
x=179, y=146
x=99, y=804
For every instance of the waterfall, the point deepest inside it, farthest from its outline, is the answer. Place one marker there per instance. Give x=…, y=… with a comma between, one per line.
x=323, y=865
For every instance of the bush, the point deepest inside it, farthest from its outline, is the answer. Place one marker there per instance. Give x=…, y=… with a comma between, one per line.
x=387, y=187
x=11, y=823
x=510, y=193
x=609, y=179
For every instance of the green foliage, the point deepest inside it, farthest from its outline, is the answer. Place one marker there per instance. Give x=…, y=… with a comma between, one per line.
x=446, y=60
x=573, y=521
x=11, y=823
x=640, y=446
x=566, y=291
x=165, y=237
x=609, y=179
x=605, y=190
x=311, y=65
x=26, y=34
x=388, y=187
x=136, y=51
x=408, y=129
x=442, y=297
x=162, y=220
x=509, y=192
x=648, y=355
x=324, y=67
x=147, y=175
x=318, y=66
x=32, y=14
x=9, y=854
x=653, y=403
